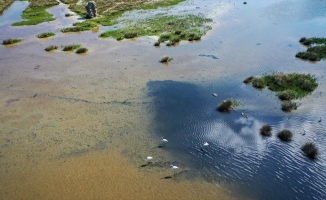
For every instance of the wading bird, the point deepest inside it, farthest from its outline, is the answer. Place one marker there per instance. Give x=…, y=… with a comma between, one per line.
x=320, y=118
x=173, y=167
x=148, y=159
x=164, y=141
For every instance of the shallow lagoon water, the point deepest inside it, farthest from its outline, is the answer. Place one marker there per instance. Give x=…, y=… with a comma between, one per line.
x=91, y=105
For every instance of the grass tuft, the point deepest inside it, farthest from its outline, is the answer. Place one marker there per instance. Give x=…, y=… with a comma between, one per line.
x=285, y=135
x=45, y=35
x=70, y=47
x=51, y=48
x=225, y=106
x=266, y=130
x=81, y=50
x=310, y=150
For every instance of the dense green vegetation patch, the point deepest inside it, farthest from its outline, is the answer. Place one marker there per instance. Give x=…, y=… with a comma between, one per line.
x=51, y=48
x=36, y=13
x=4, y=4
x=171, y=29
x=69, y=1
x=11, y=41
x=80, y=26
x=288, y=86
x=45, y=35
x=316, y=49
x=70, y=47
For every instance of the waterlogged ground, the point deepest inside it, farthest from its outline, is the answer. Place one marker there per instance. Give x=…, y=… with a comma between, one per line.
x=80, y=127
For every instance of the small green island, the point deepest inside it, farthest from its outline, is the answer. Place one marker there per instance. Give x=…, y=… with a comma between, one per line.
x=11, y=41
x=287, y=86
x=316, y=49
x=45, y=35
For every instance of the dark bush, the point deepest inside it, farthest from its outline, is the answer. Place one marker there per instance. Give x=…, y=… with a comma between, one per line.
x=310, y=150
x=266, y=130
x=68, y=48
x=288, y=106
x=302, y=39
x=50, y=48
x=225, y=106
x=307, y=42
x=177, y=32
x=157, y=43
x=248, y=80
x=285, y=135
x=82, y=50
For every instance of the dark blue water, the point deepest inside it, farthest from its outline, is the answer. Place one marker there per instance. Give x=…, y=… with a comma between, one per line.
x=253, y=166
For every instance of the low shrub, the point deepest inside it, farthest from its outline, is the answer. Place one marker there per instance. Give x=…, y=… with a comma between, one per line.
x=45, y=35
x=266, y=130
x=225, y=106
x=288, y=106
x=50, y=48
x=285, y=135
x=310, y=150
x=81, y=50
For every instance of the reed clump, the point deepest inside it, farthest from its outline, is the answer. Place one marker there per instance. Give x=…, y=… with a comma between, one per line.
x=310, y=150
x=285, y=135
x=45, y=35
x=266, y=130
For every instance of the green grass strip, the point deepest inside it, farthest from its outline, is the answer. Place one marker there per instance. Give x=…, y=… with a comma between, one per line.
x=45, y=35
x=11, y=41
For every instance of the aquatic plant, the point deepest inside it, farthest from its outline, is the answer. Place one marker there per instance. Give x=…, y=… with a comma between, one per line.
x=248, y=80
x=81, y=50
x=285, y=135
x=288, y=106
x=80, y=26
x=287, y=95
x=316, y=49
x=45, y=35
x=310, y=150
x=11, y=41
x=50, y=48
x=169, y=28
x=266, y=130
x=225, y=106
x=36, y=13
x=71, y=47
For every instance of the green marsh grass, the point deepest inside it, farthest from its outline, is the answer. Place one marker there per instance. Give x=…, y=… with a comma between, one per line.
x=45, y=35
x=316, y=49
x=70, y=47
x=11, y=41
x=80, y=26
x=171, y=29
x=36, y=13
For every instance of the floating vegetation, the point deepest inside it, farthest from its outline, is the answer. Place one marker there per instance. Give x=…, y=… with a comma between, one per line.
x=225, y=106
x=170, y=29
x=45, y=35
x=287, y=86
x=11, y=41
x=51, y=48
x=285, y=135
x=266, y=130
x=81, y=50
x=36, y=13
x=316, y=49
x=80, y=26
x=70, y=47
x=310, y=150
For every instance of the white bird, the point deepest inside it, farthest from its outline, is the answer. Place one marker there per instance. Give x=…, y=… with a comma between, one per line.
x=164, y=140
x=173, y=167
x=206, y=144
x=320, y=118
x=304, y=132
x=215, y=95
x=244, y=114
x=149, y=158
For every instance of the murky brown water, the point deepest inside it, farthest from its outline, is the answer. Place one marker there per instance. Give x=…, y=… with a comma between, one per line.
x=79, y=127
